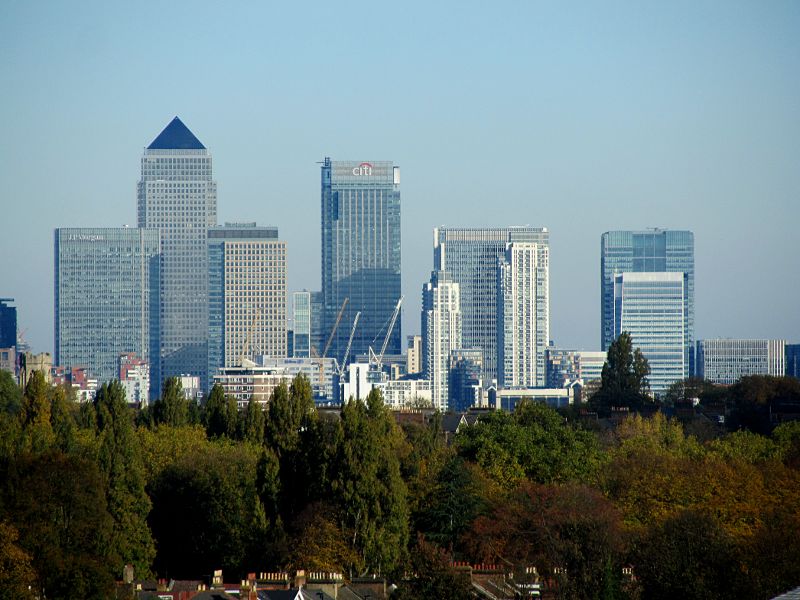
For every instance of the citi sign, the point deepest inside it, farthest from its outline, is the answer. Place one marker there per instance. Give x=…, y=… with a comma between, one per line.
x=363, y=169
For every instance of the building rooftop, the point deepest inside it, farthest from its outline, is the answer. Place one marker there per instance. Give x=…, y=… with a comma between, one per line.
x=176, y=136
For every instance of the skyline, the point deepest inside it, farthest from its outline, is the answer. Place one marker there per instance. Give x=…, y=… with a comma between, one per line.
x=680, y=117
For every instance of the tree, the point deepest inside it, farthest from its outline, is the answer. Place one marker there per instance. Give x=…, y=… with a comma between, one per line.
x=624, y=379
x=253, y=422
x=433, y=577
x=121, y=463
x=17, y=576
x=34, y=415
x=221, y=414
x=369, y=491
x=173, y=407
x=10, y=394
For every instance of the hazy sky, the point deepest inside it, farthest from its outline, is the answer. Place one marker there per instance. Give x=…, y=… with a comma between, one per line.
x=578, y=117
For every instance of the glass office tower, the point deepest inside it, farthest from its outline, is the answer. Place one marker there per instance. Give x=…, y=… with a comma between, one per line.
x=360, y=254
x=654, y=250
x=471, y=257
x=301, y=311
x=441, y=333
x=106, y=297
x=651, y=307
x=177, y=196
x=8, y=323
x=247, y=294
x=726, y=361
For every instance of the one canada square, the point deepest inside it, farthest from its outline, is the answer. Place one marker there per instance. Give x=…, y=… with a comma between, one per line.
x=178, y=196
x=360, y=254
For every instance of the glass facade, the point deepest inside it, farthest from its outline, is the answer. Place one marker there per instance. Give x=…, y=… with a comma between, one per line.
x=301, y=311
x=360, y=253
x=466, y=367
x=654, y=250
x=651, y=307
x=106, y=297
x=727, y=361
x=471, y=257
x=178, y=197
x=793, y=360
x=567, y=366
x=246, y=294
x=8, y=323
x=441, y=333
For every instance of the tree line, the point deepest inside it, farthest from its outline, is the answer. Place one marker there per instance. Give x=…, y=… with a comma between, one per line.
x=179, y=490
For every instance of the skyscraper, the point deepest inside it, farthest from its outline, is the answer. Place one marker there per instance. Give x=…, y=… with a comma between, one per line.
x=522, y=338
x=471, y=257
x=8, y=323
x=247, y=294
x=441, y=333
x=106, y=297
x=178, y=197
x=654, y=250
x=652, y=308
x=360, y=253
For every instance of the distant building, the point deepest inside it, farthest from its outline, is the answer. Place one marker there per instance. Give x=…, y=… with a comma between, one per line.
x=414, y=355
x=321, y=374
x=793, y=360
x=522, y=336
x=318, y=335
x=509, y=398
x=725, y=361
x=651, y=307
x=8, y=323
x=404, y=393
x=8, y=360
x=246, y=294
x=178, y=197
x=441, y=332
x=106, y=297
x=79, y=379
x=301, y=332
x=360, y=252
x=28, y=362
x=192, y=387
x=134, y=375
x=470, y=257
x=568, y=366
x=466, y=385
x=649, y=251
x=250, y=381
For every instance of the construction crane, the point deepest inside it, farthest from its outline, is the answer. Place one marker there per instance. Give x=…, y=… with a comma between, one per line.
x=246, y=345
x=335, y=326
x=378, y=360
x=349, y=343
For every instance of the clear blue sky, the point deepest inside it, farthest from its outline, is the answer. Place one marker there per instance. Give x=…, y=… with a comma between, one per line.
x=578, y=117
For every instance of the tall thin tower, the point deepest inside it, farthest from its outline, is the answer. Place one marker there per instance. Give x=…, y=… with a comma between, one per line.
x=177, y=196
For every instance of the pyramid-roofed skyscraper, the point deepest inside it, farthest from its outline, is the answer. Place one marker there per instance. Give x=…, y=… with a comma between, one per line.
x=177, y=195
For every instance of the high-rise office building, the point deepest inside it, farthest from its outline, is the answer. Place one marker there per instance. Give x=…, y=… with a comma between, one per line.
x=8, y=323
x=471, y=256
x=414, y=355
x=106, y=297
x=651, y=307
x=177, y=196
x=522, y=337
x=654, y=250
x=465, y=383
x=726, y=361
x=247, y=294
x=301, y=334
x=360, y=253
x=568, y=366
x=441, y=333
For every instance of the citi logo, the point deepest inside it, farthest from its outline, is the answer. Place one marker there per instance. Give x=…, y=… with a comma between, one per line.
x=363, y=169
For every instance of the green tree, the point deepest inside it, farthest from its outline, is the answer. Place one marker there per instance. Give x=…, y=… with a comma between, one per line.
x=34, y=415
x=221, y=414
x=252, y=423
x=173, y=407
x=370, y=493
x=121, y=464
x=624, y=379
x=10, y=394
x=433, y=576
x=17, y=576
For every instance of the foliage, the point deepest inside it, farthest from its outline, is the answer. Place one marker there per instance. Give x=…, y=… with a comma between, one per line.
x=252, y=423
x=221, y=414
x=173, y=407
x=17, y=576
x=433, y=577
x=534, y=443
x=623, y=383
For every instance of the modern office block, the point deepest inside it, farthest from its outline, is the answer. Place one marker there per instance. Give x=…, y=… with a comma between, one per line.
x=301, y=334
x=441, y=333
x=134, y=376
x=726, y=361
x=318, y=337
x=178, y=197
x=8, y=323
x=360, y=253
x=414, y=355
x=793, y=360
x=470, y=256
x=522, y=337
x=106, y=297
x=321, y=374
x=654, y=251
x=568, y=366
x=466, y=385
x=651, y=307
x=247, y=294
